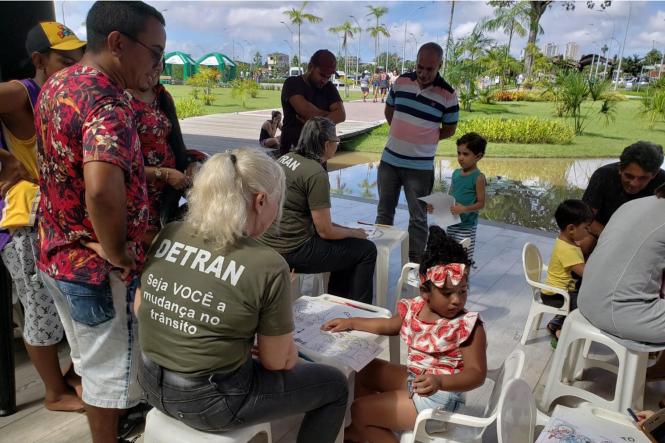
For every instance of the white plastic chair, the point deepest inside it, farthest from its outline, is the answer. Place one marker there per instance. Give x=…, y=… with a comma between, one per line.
x=160, y=428
x=532, y=264
x=467, y=428
x=412, y=287
x=570, y=361
x=517, y=414
x=319, y=284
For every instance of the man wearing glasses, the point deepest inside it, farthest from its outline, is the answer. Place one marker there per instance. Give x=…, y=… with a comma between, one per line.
x=310, y=95
x=93, y=190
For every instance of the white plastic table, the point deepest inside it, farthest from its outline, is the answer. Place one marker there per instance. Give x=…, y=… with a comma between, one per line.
x=350, y=374
x=386, y=239
x=597, y=421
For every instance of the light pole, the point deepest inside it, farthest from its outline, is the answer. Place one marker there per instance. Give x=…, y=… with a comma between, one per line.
x=623, y=46
x=388, y=47
x=415, y=40
x=449, y=38
x=289, y=28
x=662, y=59
x=406, y=21
x=360, y=29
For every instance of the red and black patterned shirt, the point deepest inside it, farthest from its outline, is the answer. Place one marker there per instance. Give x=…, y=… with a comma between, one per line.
x=84, y=116
x=154, y=129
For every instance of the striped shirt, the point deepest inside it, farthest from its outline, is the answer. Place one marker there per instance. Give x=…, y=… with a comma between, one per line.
x=418, y=116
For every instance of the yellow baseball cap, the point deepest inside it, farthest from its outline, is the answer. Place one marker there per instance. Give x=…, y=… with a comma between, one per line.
x=51, y=35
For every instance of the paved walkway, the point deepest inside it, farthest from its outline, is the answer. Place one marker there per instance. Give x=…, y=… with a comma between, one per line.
x=219, y=132
x=497, y=290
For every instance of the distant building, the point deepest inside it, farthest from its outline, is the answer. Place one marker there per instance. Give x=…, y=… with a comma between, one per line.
x=550, y=49
x=351, y=61
x=277, y=61
x=572, y=51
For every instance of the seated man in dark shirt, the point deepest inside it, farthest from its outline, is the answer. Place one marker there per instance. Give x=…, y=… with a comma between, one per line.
x=636, y=175
x=310, y=95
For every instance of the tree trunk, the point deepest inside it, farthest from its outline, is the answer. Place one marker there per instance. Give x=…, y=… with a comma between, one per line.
x=450, y=33
x=299, y=59
x=536, y=11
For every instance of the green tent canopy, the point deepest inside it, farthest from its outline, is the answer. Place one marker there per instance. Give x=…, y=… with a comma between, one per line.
x=221, y=62
x=179, y=66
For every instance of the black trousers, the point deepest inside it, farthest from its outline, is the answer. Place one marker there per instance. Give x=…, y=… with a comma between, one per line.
x=350, y=262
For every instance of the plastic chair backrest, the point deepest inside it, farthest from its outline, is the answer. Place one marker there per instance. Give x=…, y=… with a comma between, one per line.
x=404, y=279
x=510, y=369
x=532, y=263
x=517, y=413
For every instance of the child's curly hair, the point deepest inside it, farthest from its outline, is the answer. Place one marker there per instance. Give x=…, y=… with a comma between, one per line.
x=441, y=249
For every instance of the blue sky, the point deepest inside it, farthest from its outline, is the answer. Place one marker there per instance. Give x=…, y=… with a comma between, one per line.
x=198, y=27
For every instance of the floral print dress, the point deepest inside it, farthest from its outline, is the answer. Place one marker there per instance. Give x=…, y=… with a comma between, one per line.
x=154, y=128
x=434, y=348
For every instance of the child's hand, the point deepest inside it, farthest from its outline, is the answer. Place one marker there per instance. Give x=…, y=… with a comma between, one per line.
x=457, y=209
x=643, y=415
x=430, y=208
x=337, y=325
x=426, y=385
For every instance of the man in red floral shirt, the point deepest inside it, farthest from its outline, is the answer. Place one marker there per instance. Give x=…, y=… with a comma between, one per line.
x=93, y=190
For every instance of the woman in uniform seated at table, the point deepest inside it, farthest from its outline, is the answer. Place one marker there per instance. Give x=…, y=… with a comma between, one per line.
x=306, y=236
x=208, y=290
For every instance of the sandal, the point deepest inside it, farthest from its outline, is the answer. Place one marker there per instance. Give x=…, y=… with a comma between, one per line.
x=132, y=418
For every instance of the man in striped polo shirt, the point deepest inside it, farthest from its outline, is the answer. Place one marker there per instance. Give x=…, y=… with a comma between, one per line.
x=421, y=109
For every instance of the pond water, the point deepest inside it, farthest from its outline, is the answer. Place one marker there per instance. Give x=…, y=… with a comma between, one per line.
x=521, y=191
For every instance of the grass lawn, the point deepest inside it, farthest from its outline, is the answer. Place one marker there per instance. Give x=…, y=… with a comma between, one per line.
x=225, y=103
x=598, y=140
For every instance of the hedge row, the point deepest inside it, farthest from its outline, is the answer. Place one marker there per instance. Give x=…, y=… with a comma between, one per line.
x=526, y=130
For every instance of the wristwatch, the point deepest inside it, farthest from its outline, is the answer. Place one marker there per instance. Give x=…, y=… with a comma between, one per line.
x=158, y=173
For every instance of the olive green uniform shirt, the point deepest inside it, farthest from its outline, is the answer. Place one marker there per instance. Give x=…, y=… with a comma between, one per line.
x=307, y=188
x=201, y=308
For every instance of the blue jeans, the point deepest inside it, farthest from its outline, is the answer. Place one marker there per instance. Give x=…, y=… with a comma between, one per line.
x=251, y=394
x=102, y=333
x=417, y=183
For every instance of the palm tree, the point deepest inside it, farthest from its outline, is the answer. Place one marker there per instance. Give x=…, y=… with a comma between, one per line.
x=377, y=30
x=449, y=40
x=510, y=19
x=347, y=31
x=298, y=17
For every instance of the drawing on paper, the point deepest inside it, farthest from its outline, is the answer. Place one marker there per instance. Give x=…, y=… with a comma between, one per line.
x=355, y=349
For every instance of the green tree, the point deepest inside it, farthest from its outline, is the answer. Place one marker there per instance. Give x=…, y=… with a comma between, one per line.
x=298, y=17
x=257, y=60
x=535, y=11
x=653, y=57
x=394, y=60
x=496, y=62
x=377, y=30
x=244, y=89
x=346, y=29
x=206, y=78
x=295, y=61
x=509, y=19
x=632, y=65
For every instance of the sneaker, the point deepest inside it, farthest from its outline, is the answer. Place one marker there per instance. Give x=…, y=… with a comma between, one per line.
x=131, y=419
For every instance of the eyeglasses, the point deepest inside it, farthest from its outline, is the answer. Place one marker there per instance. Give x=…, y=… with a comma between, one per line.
x=157, y=56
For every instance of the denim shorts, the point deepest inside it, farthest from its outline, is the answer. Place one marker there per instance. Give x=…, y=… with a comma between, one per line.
x=442, y=400
x=102, y=333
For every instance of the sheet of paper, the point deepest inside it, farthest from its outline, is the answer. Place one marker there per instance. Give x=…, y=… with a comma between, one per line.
x=561, y=431
x=355, y=349
x=441, y=214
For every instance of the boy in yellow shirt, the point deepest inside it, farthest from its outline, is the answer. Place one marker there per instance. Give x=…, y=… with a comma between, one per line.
x=573, y=218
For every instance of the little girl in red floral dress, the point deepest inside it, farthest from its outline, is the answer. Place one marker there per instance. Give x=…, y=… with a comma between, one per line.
x=446, y=347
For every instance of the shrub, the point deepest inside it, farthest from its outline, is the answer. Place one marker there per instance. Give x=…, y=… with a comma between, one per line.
x=188, y=107
x=244, y=89
x=527, y=130
x=522, y=96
